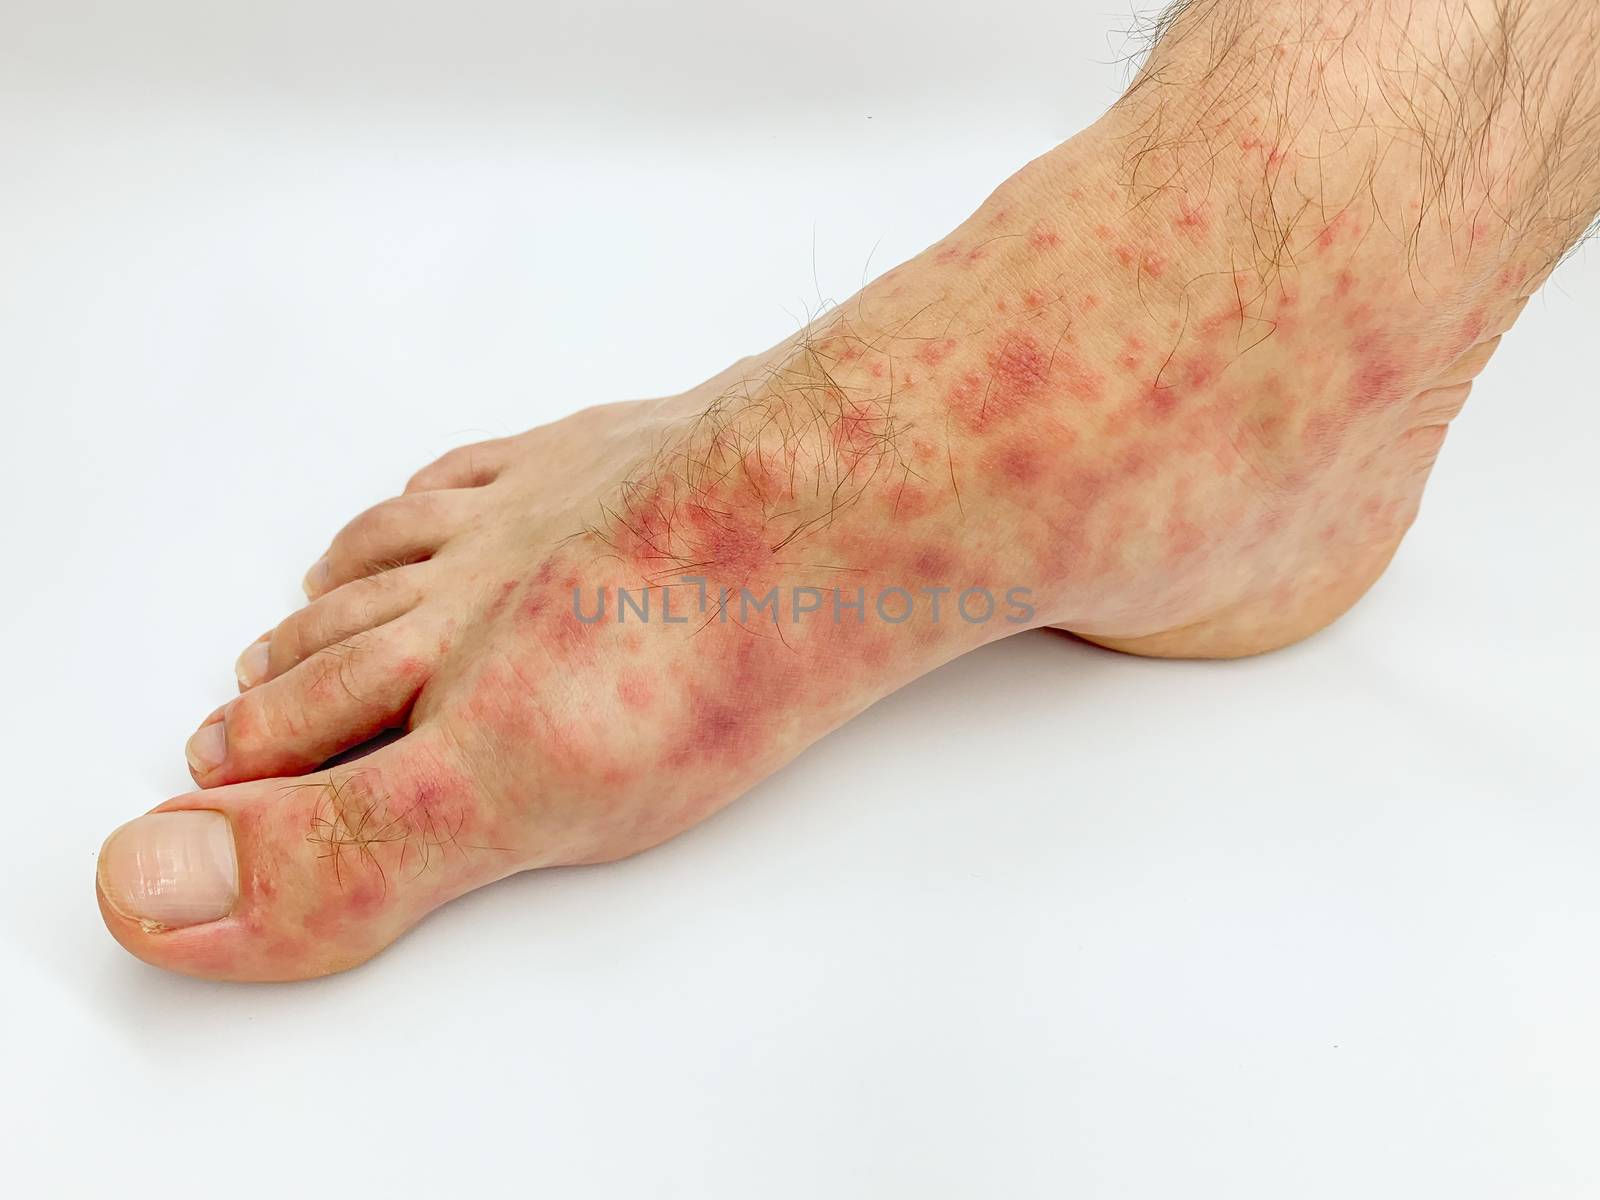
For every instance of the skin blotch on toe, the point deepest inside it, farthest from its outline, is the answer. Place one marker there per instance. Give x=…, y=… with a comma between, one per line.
x=359, y=833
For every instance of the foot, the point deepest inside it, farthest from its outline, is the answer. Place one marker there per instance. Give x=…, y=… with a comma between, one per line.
x=1175, y=387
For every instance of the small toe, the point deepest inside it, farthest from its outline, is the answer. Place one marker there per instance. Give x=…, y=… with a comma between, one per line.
x=464, y=467
x=293, y=878
x=405, y=529
x=347, y=610
x=337, y=698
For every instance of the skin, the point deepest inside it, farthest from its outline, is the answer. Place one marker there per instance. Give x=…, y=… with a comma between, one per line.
x=1182, y=379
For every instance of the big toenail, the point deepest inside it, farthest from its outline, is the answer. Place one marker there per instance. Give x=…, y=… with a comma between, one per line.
x=251, y=668
x=171, y=868
x=208, y=747
x=317, y=578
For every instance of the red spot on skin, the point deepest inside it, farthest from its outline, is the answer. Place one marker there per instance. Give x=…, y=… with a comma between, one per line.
x=502, y=598
x=936, y=351
x=1158, y=401
x=1333, y=229
x=365, y=898
x=1126, y=255
x=574, y=639
x=1343, y=283
x=1104, y=232
x=734, y=548
x=1019, y=366
x=728, y=719
x=1250, y=142
x=1018, y=462
x=1000, y=305
x=907, y=500
x=634, y=690
x=1075, y=194
x=1082, y=489
x=976, y=253
x=849, y=354
x=1183, y=537
x=932, y=563
x=857, y=433
x=947, y=254
x=535, y=605
x=1230, y=316
x=1154, y=264
x=1361, y=314
x=1089, y=303
x=1033, y=298
x=1200, y=370
x=1510, y=278
x=1044, y=239
x=1129, y=362
x=1380, y=375
x=1000, y=216
x=1191, y=219
x=1081, y=381
x=876, y=370
x=1017, y=371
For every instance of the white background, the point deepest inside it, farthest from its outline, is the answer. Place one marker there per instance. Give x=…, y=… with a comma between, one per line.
x=1051, y=922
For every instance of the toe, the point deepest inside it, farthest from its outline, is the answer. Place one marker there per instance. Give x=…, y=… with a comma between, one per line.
x=406, y=529
x=337, y=698
x=354, y=608
x=464, y=467
x=292, y=878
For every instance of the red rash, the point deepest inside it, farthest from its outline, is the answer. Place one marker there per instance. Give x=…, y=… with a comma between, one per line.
x=1017, y=372
x=502, y=598
x=932, y=562
x=1159, y=401
x=727, y=544
x=1380, y=376
x=1018, y=463
x=634, y=690
x=1191, y=220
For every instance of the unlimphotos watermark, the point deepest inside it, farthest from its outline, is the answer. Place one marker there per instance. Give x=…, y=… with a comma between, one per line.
x=665, y=604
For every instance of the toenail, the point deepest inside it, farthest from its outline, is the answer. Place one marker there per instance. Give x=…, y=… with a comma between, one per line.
x=171, y=868
x=251, y=668
x=208, y=747
x=316, y=578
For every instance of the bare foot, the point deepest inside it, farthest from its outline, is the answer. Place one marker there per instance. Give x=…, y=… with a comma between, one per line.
x=1176, y=387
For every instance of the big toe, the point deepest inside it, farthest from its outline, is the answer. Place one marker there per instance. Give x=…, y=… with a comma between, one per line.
x=293, y=878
